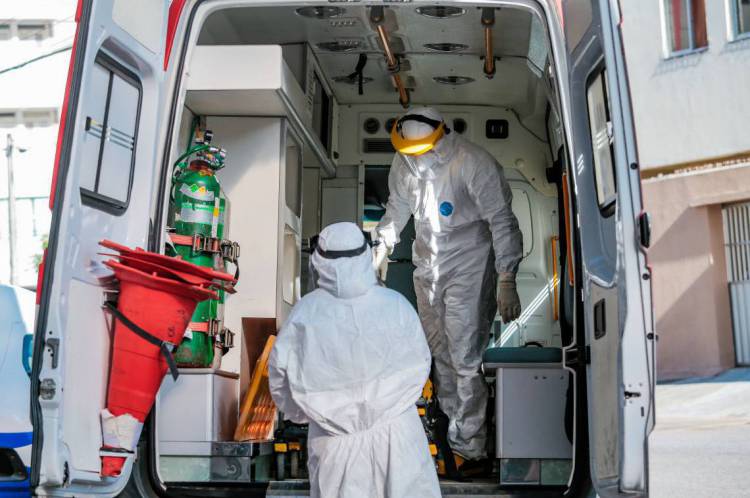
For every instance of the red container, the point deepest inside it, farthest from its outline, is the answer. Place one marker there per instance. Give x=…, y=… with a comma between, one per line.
x=162, y=307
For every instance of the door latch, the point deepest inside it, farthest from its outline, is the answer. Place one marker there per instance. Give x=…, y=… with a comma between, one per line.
x=600, y=319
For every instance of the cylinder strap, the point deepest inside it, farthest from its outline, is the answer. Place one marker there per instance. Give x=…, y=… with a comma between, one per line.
x=198, y=243
x=181, y=240
x=165, y=347
x=229, y=250
x=204, y=327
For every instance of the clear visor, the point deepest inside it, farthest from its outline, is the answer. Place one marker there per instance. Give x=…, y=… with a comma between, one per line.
x=421, y=166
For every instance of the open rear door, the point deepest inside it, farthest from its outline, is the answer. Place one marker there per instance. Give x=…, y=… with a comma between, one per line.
x=102, y=189
x=615, y=279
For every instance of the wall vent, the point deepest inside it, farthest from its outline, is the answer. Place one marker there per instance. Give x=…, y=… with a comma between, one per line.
x=377, y=146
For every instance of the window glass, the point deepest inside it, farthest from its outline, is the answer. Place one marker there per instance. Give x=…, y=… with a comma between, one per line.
x=577, y=17
x=111, y=128
x=8, y=118
x=742, y=15
x=293, y=175
x=602, y=141
x=34, y=31
x=5, y=31
x=685, y=24
x=39, y=117
x=119, y=145
x=98, y=89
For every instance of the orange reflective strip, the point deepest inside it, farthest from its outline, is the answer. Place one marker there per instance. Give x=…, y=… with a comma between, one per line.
x=555, y=280
x=568, y=233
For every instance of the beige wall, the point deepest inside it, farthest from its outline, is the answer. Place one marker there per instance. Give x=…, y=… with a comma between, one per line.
x=690, y=292
x=688, y=108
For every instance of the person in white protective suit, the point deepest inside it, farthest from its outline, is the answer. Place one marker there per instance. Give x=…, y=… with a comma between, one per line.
x=466, y=236
x=351, y=360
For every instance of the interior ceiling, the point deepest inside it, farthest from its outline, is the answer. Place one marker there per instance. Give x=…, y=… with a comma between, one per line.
x=514, y=84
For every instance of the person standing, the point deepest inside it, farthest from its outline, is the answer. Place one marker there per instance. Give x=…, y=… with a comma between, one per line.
x=467, y=239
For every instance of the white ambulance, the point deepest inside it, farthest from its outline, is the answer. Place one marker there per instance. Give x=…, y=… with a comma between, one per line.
x=302, y=95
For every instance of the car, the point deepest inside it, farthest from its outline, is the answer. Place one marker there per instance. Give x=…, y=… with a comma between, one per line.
x=17, y=308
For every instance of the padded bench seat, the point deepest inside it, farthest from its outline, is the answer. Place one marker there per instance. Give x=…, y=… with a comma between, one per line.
x=524, y=357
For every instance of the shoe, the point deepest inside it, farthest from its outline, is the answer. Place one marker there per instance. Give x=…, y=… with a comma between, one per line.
x=479, y=467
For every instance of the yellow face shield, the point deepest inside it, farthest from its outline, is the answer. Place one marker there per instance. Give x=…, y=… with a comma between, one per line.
x=419, y=146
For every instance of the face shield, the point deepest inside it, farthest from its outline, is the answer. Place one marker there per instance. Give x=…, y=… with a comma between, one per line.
x=420, y=154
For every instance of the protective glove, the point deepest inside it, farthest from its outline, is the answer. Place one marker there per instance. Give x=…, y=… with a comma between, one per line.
x=380, y=253
x=507, y=298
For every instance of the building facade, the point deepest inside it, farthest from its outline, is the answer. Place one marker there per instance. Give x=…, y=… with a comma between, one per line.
x=35, y=41
x=689, y=69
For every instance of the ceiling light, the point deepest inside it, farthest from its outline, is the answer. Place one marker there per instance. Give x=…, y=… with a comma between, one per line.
x=340, y=45
x=453, y=80
x=440, y=11
x=445, y=47
x=320, y=12
x=351, y=81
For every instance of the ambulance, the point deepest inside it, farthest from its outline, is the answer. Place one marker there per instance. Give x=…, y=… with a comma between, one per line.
x=302, y=96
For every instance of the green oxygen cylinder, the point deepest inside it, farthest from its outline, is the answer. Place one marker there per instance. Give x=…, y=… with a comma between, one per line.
x=198, y=205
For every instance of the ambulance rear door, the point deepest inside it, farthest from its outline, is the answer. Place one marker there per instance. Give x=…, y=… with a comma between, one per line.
x=614, y=278
x=103, y=188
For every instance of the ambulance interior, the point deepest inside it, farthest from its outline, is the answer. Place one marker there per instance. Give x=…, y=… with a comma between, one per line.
x=303, y=100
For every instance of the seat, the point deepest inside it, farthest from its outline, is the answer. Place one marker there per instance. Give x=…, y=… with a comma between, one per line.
x=523, y=357
x=532, y=395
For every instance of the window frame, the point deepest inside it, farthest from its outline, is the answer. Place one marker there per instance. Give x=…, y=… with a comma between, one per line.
x=45, y=25
x=607, y=208
x=733, y=7
x=668, y=27
x=92, y=198
x=16, y=26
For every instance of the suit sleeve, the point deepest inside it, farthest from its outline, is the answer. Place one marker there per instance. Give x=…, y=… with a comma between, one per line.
x=398, y=208
x=491, y=193
x=278, y=380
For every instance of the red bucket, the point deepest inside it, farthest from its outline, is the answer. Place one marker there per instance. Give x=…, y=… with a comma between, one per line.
x=162, y=307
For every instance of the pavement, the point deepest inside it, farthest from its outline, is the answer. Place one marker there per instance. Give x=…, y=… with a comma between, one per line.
x=700, y=446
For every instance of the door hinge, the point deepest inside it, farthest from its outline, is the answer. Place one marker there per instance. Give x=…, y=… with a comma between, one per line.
x=574, y=356
x=47, y=389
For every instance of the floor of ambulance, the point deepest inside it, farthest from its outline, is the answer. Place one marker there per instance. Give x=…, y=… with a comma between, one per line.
x=481, y=488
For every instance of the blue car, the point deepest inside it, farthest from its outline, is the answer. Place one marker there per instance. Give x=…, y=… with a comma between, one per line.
x=17, y=307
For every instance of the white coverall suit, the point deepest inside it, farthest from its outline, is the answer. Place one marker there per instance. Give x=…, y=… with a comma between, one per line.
x=351, y=360
x=461, y=204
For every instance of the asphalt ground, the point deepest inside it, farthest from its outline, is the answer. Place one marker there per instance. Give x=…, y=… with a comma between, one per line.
x=700, y=446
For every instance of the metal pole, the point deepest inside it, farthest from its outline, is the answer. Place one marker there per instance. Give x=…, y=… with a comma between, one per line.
x=11, y=209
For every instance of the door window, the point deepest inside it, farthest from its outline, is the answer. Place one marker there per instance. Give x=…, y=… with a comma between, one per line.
x=111, y=127
x=600, y=124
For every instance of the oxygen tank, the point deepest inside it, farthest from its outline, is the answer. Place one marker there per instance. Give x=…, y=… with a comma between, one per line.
x=199, y=206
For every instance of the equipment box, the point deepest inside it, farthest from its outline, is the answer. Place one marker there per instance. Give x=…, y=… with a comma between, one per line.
x=182, y=415
x=531, y=396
